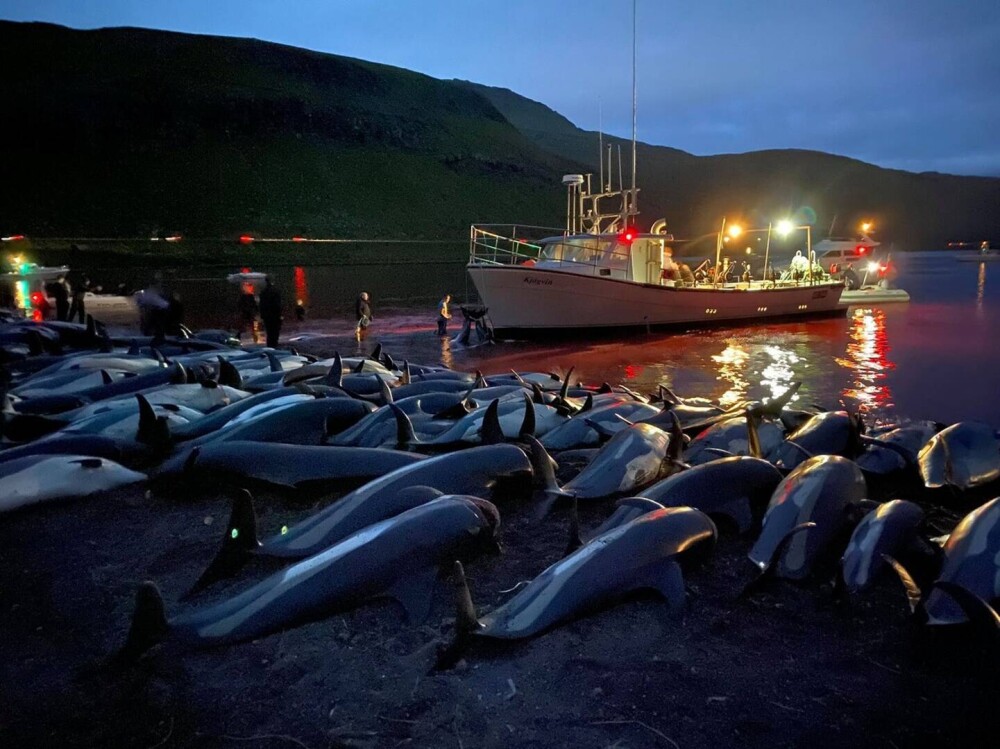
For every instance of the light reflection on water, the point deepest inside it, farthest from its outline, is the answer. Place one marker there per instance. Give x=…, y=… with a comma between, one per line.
x=868, y=363
x=935, y=357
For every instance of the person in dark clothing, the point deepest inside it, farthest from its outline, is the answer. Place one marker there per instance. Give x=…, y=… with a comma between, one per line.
x=247, y=310
x=270, y=311
x=81, y=286
x=174, y=315
x=851, y=280
x=444, y=315
x=59, y=291
x=363, y=312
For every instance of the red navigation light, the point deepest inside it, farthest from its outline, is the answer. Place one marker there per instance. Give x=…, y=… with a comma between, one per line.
x=36, y=299
x=244, y=270
x=298, y=239
x=36, y=315
x=628, y=236
x=862, y=249
x=246, y=239
x=13, y=238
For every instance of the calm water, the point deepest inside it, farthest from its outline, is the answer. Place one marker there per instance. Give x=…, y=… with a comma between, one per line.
x=936, y=357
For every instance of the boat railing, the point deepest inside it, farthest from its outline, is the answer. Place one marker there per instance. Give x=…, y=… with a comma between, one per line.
x=489, y=245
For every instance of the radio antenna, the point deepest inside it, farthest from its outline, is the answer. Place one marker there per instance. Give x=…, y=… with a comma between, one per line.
x=634, y=208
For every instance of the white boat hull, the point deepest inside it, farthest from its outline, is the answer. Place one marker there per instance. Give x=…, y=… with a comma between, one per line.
x=523, y=301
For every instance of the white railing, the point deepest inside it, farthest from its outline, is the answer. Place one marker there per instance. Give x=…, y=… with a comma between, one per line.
x=487, y=246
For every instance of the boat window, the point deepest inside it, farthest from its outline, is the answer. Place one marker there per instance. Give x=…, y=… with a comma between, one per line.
x=574, y=250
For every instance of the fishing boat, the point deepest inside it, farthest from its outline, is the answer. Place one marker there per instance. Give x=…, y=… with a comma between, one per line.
x=27, y=285
x=984, y=255
x=600, y=274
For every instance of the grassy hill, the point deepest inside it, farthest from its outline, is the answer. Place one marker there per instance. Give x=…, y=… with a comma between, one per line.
x=917, y=211
x=129, y=132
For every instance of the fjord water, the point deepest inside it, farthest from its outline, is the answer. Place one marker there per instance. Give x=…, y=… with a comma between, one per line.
x=935, y=357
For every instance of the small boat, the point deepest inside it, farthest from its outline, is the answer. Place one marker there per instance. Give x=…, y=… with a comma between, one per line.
x=251, y=282
x=873, y=295
x=602, y=275
x=984, y=255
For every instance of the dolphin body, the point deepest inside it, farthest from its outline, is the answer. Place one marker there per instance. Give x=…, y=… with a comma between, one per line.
x=962, y=455
x=295, y=466
x=736, y=487
x=630, y=461
x=732, y=436
x=42, y=478
x=645, y=553
x=820, y=491
x=886, y=530
x=972, y=562
x=829, y=433
x=398, y=557
x=475, y=471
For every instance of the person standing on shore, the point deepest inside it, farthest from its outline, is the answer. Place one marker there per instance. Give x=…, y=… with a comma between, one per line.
x=81, y=286
x=363, y=312
x=270, y=311
x=444, y=315
x=59, y=291
x=246, y=309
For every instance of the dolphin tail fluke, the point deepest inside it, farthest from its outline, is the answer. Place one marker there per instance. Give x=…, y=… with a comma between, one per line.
x=768, y=568
x=668, y=396
x=551, y=497
x=980, y=614
x=388, y=362
x=587, y=404
x=490, y=431
x=376, y=354
x=238, y=543
x=564, y=390
x=149, y=624
x=273, y=362
x=466, y=623
x=913, y=592
x=536, y=393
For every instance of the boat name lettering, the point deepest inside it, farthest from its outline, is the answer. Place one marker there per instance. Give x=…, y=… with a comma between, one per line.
x=819, y=294
x=538, y=281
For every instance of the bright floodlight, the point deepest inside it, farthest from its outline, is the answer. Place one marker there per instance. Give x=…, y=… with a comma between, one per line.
x=872, y=267
x=784, y=227
x=866, y=227
x=735, y=230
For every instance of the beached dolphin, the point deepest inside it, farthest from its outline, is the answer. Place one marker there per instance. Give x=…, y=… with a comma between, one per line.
x=887, y=530
x=43, y=478
x=644, y=553
x=820, y=492
x=477, y=471
x=732, y=436
x=971, y=562
x=303, y=467
x=830, y=433
x=398, y=557
x=633, y=459
x=962, y=455
x=738, y=487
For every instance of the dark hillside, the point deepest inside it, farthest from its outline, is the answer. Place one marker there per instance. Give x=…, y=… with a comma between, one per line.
x=130, y=132
x=916, y=211
x=123, y=131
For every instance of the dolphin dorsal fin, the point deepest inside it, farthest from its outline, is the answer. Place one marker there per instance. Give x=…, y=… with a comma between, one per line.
x=376, y=354
x=490, y=431
x=335, y=376
x=405, y=436
x=149, y=624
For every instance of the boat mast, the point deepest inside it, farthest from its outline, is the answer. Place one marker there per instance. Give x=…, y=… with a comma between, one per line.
x=600, y=140
x=633, y=203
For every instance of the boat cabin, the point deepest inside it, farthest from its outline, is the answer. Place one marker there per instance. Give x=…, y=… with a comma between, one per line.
x=641, y=259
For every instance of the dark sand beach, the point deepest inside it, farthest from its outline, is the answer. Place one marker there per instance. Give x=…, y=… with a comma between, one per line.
x=788, y=667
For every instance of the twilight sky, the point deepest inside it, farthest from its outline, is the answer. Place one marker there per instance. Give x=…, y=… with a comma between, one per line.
x=908, y=84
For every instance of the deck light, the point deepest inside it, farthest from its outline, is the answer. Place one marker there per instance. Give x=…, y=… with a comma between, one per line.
x=734, y=230
x=866, y=227
x=784, y=227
